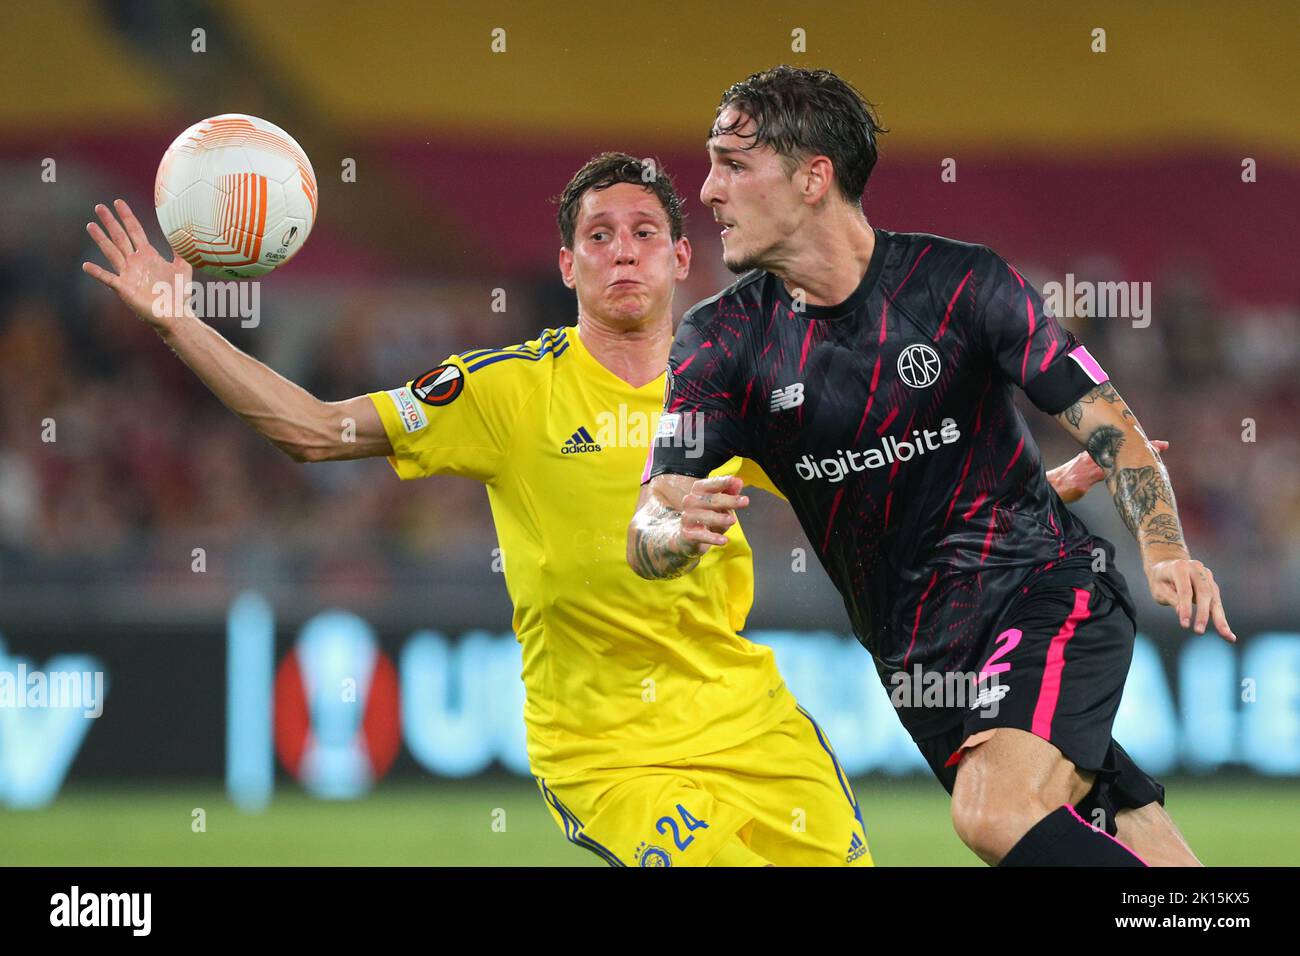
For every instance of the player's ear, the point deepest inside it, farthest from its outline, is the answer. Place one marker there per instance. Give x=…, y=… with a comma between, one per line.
x=566, y=266
x=682, y=253
x=819, y=177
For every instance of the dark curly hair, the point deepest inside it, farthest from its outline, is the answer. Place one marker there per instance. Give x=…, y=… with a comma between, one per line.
x=603, y=171
x=802, y=113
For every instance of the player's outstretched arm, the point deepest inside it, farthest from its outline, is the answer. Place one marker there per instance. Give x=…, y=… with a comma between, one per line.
x=288, y=416
x=677, y=519
x=1139, y=483
x=1075, y=478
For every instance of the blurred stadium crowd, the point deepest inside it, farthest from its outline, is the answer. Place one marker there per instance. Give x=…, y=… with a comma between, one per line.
x=116, y=463
x=146, y=465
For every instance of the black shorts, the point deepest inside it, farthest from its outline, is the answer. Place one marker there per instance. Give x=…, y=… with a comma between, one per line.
x=1056, y=668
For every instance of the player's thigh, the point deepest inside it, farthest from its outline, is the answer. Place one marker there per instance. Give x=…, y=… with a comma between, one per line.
x=653, y=816
x=803, y=809
x=1151, y=833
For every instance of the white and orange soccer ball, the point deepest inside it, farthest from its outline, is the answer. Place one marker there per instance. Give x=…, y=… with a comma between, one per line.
x=235, y=196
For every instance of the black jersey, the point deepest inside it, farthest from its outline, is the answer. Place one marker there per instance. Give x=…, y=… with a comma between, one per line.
x=888, y=422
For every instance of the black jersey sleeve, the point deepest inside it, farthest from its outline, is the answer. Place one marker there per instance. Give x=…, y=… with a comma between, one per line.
x=1028, y=342
x=701, y=427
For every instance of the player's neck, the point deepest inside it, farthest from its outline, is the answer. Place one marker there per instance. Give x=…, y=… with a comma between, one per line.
x=830, y=260
x=636, y=354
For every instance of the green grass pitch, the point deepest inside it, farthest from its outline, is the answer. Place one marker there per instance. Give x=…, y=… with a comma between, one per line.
x=1246, y=823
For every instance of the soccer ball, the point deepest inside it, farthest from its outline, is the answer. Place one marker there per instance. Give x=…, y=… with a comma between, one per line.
x=235, y=196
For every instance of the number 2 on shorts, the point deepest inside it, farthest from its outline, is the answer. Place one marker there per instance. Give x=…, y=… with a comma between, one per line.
x=1008, y=639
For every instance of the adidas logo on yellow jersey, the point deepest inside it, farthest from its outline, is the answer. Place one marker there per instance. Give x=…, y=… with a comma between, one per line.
x=856, y=848
x=580, y=442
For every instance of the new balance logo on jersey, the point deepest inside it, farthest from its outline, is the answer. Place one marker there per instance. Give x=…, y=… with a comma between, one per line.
x=991, y=695
x=786, y=398
x=579, y=443
x=856, y=849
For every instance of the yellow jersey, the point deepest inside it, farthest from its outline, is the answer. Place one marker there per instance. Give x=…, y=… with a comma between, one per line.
x=618, y=671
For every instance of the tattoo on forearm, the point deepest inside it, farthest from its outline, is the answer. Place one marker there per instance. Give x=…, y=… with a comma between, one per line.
x=1104, y=445
x=656, y=536
x=1105, y=392
x=1143, y=497
x=1162, y=529
x=1140, y=494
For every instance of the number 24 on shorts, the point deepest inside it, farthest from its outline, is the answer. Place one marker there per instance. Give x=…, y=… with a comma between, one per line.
x=663, y=824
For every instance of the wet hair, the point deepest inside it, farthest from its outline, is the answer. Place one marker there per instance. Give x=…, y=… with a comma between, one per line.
x=802, y=113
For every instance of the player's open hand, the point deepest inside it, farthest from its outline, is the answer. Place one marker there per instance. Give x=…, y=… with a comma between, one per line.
x=1183, y=582
x=1076, y=477
x=709, y=509
x=139, y=274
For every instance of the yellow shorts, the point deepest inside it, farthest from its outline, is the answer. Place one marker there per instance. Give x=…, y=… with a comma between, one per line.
x=779, y=799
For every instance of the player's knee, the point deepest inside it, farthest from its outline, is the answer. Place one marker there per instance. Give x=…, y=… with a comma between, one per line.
x=991, y=824
x=977, y=826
